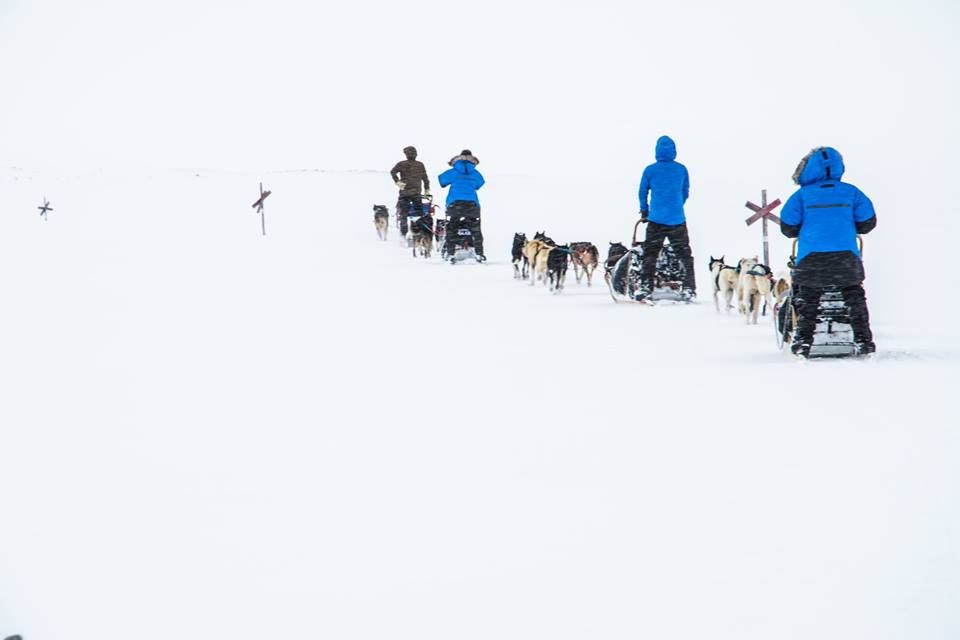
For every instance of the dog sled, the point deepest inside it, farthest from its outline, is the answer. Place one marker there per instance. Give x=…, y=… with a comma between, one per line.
x=462, y=230
x=622, y=273
x=405, y=217
x=833, y=337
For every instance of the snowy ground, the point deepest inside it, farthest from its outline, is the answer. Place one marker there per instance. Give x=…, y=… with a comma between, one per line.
x=210, y=434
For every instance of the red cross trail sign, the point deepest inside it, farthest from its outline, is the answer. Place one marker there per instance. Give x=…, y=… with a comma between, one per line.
x=258, y=205
x=764, y=212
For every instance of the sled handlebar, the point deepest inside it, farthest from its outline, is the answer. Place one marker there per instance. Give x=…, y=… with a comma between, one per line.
x=636, y=226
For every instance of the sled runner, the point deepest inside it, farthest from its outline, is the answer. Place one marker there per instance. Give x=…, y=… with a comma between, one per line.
x=833, y=337
x=463, y=242
x=622, y=272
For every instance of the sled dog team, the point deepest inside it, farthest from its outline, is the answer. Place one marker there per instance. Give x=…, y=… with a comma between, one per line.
x=750, y=282
x=825, y=215
x=542, y=259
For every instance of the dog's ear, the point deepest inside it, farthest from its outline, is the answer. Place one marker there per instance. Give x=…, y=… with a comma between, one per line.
x=722, y=258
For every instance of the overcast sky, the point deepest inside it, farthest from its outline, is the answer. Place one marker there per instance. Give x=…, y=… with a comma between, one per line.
x=530, y=87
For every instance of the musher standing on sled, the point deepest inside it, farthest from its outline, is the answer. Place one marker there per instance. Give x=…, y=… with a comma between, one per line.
x=462, y=202
x=408, y=175
x=668, y=184
x=826, y=215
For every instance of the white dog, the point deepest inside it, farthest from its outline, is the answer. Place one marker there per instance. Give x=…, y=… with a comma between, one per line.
x=754, y=286
x=724, y=281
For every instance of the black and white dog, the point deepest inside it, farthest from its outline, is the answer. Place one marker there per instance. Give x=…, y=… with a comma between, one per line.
x=381, y=220
x=519, y=239
x=557, y=262
x=440, y=233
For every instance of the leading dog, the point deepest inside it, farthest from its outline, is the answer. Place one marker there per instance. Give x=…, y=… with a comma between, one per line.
x=381, y=220
x=753, y=284
x=725, y=281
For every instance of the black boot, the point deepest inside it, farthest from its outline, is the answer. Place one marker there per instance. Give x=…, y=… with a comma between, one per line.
x=806, y=301
x=856, y=301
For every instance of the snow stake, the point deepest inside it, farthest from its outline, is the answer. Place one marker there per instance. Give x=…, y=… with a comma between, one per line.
x=45, y=208
x=258, y=205
x=764, y=212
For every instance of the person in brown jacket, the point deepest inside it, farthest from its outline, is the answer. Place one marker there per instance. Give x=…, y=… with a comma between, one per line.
x=409, y=175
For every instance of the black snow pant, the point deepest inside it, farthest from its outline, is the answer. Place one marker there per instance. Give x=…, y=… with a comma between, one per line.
x=464, y=214
x=677, y=234
x=806, y=301
x=408, y=206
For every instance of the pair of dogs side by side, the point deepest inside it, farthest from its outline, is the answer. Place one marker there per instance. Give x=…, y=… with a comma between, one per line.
x=544, y=260
x=751, y=282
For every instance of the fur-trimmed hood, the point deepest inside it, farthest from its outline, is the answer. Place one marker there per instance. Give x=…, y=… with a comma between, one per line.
x=822, y=163
x=467, y=158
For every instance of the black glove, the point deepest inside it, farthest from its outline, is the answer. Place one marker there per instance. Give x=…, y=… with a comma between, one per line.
x=643, y=216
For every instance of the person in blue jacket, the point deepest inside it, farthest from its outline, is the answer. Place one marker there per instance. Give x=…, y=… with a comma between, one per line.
x=463, y=205
x=667, y=184
x=826, y=215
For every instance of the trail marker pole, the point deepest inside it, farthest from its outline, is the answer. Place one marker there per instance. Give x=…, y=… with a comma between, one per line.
x=258, y=205
x=45, y=208
x=764, y=212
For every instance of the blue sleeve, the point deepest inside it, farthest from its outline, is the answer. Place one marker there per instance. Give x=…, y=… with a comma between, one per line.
x=791, y=216
x=686, y=184
x=862, y=207
x=478, y=181
x=644, y=191
x=446, y=178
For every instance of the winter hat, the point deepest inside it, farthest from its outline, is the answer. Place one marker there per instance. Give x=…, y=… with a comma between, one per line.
x=410, y=152
x=467, y=155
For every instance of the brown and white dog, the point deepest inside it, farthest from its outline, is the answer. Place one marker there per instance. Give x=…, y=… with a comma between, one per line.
x=585, y=258
x=724, y=282
x=536, y=252
x=782, y=284
x=381, y=220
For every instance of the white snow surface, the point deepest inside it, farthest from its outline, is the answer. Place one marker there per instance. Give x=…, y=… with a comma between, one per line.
x=207, y=433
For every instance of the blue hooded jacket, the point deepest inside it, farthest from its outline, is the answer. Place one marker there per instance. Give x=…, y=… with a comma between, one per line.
x=825, y=213
x=669, y=183
x=463, y=180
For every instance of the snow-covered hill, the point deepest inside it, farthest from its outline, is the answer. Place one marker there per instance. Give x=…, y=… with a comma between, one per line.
x=207, y=433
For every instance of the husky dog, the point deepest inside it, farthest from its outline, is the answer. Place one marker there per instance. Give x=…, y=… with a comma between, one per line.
x=381, y=220
x=557, y=261
x=536, y=252
x=753, y=285
x=585, y=258
x=725, y=281
x=616, y=251
x=781, y=286
x=519, y=240
x=440, y=233
x=421, y=230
